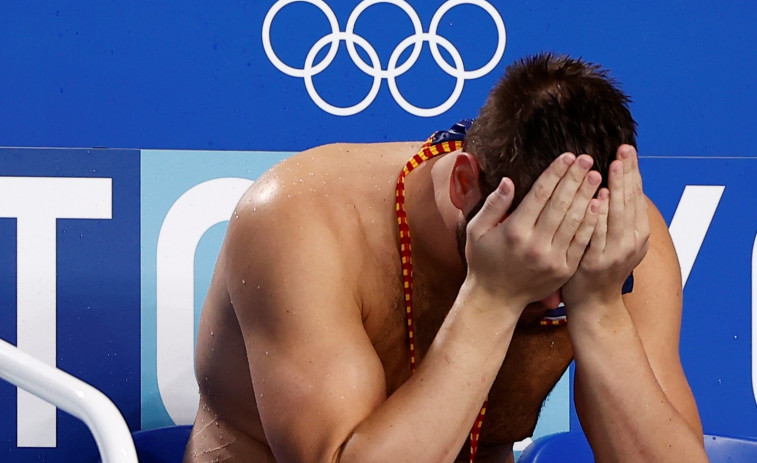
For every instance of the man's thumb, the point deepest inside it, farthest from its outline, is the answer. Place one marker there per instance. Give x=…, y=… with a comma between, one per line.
x=495, y=207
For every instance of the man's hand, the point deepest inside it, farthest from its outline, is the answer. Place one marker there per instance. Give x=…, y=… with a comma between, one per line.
x=537, y=248
x=619, y=241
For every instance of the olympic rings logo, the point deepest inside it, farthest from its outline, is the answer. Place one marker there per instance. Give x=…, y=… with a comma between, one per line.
x=394, y=69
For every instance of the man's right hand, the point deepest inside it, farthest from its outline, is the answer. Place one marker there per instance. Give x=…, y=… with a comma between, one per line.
x=529, y=254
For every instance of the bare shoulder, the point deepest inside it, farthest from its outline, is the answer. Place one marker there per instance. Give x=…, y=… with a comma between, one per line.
x=287, y=226
x=315, y=221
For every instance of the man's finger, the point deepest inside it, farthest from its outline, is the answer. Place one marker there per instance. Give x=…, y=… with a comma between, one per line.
x=631, y=184
x=576, y=215
x=599, y=237
x=494, y=209
x=584, y=233
x=542, y=189
x=568, y=191
x=616, y=225
x=641, y=217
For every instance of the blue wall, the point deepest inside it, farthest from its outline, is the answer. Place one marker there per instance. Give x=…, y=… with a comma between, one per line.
x=194, y=75
x=192, y=105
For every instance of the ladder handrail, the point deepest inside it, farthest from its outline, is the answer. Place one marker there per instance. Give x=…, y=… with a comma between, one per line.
x=74, y=396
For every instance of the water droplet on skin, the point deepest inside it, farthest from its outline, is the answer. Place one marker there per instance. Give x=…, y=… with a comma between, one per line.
x=267, y=353
x=254, y=209
x=211, y=333
x=735, y=336
x=258, y=287
x=300, y=180
x=244, y=282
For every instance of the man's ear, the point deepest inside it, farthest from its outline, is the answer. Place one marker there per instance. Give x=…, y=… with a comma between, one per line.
x=464, y=188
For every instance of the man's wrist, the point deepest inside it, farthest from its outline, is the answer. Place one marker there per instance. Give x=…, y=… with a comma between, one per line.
x=482, y=298
x=594, y=321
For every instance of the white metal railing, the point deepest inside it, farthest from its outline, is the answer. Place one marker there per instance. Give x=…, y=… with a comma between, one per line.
x=74, y=396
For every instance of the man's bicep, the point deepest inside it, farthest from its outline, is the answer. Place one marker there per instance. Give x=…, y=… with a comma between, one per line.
x=314, y=371
x=315, y=376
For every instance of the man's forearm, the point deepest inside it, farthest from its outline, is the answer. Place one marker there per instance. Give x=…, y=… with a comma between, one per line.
x=429, y=417
x=624, y=411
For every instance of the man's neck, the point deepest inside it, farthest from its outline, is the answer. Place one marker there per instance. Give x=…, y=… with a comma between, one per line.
x=434, y=242
x=437, y=268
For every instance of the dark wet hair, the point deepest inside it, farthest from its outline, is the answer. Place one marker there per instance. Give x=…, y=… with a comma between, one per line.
x=544, y=106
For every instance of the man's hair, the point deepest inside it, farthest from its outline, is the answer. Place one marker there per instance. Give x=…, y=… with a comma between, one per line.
x=546, y=105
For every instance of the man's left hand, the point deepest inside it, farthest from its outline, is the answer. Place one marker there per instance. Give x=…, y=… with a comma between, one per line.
x=620, y=240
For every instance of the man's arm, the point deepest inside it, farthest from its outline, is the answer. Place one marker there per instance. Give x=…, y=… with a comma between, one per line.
x=630, y=390
x=320, y=385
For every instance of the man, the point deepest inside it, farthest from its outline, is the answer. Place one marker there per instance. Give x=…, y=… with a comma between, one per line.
x=305, y=345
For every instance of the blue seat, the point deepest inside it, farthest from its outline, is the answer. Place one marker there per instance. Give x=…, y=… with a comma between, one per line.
x=572, y=447
x=564, y=447
x=162, y=445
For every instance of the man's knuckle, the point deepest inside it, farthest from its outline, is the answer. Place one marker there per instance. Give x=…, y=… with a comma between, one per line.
x=565, y=270
x=512, y=235
x=541, y=192
x=629, y=196
x=492, y=201
x=573, y=222
x=534, y=253
x=561, y=203
x=556, y=267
